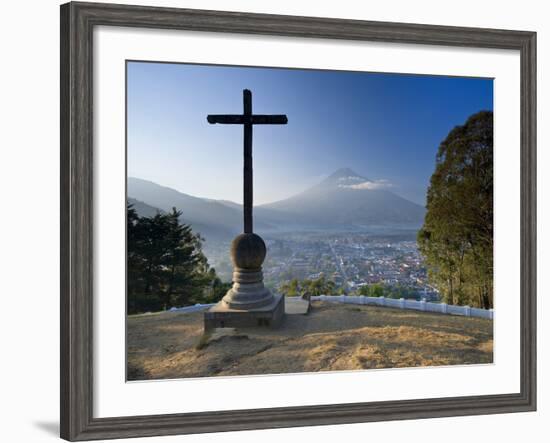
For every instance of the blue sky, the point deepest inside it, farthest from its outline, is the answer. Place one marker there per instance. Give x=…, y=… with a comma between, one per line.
x=383, y=126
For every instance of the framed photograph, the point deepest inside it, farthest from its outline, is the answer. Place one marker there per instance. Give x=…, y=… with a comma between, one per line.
x=273, y=221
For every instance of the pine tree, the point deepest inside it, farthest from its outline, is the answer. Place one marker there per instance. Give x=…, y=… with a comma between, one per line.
x=166, y=265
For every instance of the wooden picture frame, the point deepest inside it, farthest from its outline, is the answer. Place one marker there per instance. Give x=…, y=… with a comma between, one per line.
x=77, y=23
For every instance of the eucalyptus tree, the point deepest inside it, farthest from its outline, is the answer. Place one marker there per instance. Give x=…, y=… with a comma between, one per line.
x=456, y=238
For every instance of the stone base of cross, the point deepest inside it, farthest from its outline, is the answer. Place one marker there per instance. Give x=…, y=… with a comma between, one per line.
x=248, y=303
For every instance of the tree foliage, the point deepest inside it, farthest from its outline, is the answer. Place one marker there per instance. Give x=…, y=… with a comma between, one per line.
x=374, y=290
x=457, y=236
x=389, y=291
x=166, y=265
x=311, y=287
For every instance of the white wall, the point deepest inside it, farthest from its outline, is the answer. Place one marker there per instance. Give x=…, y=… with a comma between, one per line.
x=29, y=217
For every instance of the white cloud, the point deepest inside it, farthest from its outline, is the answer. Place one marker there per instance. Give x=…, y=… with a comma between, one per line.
x=370, y=184
x=350, y=178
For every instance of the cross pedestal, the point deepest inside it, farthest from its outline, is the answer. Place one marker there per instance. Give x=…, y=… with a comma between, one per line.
x=248, y=303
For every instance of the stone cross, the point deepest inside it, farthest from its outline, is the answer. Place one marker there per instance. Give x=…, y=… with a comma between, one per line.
x=248, y=120
x=248, y=302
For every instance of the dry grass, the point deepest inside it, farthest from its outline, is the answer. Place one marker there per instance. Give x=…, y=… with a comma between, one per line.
x=331, y=337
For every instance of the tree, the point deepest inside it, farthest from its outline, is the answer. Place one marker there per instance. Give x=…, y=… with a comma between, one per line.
x=457, y=236
x=290, y=288
x=318, y=286
x=374, y=290
x=217, y=289
x=315, y=287
x=134, y=260
x=166, y=265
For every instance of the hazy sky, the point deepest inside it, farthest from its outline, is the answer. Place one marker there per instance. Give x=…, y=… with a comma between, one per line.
x=383, y=126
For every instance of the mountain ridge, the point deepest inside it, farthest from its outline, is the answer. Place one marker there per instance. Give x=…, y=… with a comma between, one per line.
x=343, y=200
x=348, y=198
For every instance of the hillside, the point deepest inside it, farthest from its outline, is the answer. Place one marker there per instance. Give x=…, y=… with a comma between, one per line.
x=212, y=219
x=331, y=337
x=344, y=200
x=143, y=209
x=347, y=199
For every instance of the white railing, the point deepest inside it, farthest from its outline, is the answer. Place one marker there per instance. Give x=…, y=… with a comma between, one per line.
x=442, y=308
x=401, y=303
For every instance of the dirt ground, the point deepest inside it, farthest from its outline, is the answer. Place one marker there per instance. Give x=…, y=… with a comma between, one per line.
x=331, y=337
